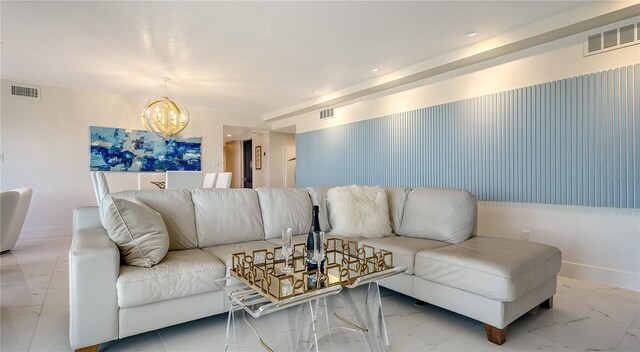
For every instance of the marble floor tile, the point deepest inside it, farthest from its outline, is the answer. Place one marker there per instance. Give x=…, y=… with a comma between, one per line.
x=34, y=314
x=16, y=335
x=56, y=302
x=471, y=340
x=8, y=314
x=51, y=333
x=631, y=340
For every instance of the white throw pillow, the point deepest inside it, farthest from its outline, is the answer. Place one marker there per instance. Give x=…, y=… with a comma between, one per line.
x=359, y=211
x=137, y=230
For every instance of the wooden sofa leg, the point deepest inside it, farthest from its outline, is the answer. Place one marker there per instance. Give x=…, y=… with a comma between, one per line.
x=93, y=348
x=495, y=335
x=548, y=304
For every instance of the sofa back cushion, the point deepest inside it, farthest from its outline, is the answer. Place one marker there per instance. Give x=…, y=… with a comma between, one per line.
x=439, y=214
x=225, y=215
x=396, y=196
x=176, y=209
x=283, y=208
x=319, y=197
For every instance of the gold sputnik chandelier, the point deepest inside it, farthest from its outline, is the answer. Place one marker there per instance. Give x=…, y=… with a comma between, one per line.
x=164, y=117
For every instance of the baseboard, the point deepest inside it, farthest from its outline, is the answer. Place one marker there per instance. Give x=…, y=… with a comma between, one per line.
x=624, y=279
x=40, y=232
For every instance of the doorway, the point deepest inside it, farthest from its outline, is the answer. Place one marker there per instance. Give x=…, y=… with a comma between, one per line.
x=247, y=164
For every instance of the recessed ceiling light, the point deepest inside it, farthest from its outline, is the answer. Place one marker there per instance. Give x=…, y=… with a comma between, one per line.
x=471, y=34
x=375, y=69
x=228, y=135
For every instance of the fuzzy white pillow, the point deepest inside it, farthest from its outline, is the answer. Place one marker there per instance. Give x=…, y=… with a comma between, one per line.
x=359, y=211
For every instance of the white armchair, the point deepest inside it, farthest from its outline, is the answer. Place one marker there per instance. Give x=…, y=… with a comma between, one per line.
x=13, y=210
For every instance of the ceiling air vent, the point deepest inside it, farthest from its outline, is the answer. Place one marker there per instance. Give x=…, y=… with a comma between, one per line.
x=613, y=38
x=326, y=114
x=25, y=92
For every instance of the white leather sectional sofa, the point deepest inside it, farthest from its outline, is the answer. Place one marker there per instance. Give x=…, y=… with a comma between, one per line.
x=488, y=279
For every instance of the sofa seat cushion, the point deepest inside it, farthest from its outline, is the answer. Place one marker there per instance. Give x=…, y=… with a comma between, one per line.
x=180, y=274
x=404, y=248
x=496, y=268
x=224, y=252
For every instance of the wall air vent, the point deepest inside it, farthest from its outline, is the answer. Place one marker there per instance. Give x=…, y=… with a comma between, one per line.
x=612, y=38
x=627, y=34
x=595, y=42
x=326, y=114
x=25, y=92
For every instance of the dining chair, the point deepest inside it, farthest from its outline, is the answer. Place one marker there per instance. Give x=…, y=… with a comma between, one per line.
x=145, y=179
x=94, y=182
x=183, y=179
x=14, y=206
x=224, y=180
x=100, y=185
x=210, y=180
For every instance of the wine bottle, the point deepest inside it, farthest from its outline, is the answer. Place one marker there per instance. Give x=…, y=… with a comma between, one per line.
x=312, y=279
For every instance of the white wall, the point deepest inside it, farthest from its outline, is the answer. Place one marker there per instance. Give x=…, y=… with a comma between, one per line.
x=46, y=147
x=261, y=177
x=273, y=146
x=552, y=61
x=598, y=244
x=278, y=144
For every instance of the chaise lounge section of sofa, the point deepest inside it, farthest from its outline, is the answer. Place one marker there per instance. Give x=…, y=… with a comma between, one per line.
x=488, y=279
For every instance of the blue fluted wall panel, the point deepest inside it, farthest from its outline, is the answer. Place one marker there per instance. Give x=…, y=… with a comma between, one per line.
x=573, y=141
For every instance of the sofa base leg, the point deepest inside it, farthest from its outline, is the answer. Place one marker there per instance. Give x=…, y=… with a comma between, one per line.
x=548, y=304
x=420, y=303
x=93, y=348
x=495, y=335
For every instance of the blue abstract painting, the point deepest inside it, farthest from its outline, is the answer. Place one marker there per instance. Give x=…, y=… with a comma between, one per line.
x=118, y=149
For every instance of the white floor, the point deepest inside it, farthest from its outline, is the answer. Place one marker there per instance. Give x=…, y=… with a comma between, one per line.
x=586, y=317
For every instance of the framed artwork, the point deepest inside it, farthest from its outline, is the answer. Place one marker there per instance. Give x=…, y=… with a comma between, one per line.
x=118, y=149
x=258, y=158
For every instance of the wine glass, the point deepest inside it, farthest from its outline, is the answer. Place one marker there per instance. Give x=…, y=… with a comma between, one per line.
x=318, y=248
x=287, y=250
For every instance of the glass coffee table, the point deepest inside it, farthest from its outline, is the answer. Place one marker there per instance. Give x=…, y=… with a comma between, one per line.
x=262, y=288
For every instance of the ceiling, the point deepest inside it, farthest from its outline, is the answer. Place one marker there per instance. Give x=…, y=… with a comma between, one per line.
x=238, y=133
x=255, y=57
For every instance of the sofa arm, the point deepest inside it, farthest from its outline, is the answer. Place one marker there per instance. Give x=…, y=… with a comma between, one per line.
x=94, y=265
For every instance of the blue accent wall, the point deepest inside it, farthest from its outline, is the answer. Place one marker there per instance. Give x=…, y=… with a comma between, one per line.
x=573, y=141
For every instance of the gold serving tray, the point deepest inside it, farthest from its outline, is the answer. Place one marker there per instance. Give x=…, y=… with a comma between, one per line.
x=345, y=262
